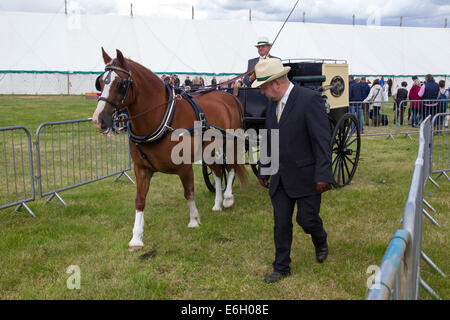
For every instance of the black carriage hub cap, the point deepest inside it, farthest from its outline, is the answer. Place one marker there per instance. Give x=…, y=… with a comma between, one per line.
x=338, y=86
x=347, y=152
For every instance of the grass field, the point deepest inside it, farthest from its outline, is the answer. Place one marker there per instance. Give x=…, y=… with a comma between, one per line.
x=228, y=256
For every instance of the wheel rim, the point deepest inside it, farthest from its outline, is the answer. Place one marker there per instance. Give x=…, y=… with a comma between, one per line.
x=346, y=145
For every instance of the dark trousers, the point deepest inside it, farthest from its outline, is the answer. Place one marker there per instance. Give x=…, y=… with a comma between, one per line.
x=307, y=217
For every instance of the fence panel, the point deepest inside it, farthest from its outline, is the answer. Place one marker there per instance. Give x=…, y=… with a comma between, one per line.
x=376, y=118
x=415, y=111
x=72, y=153
x=399, y=274
x=440, y=155
x=16, y=164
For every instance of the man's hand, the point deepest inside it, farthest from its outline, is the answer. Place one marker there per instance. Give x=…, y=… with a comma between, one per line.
x=263, y=182
x=252, y=77
x=323, y=186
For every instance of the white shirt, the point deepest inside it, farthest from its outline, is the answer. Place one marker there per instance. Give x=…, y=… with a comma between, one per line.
x=285, y=97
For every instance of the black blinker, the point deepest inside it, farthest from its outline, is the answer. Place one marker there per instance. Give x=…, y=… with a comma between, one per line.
x=122, y=86
x=97, y=83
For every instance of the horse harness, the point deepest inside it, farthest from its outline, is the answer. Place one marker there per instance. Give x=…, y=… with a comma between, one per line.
x=124, y=86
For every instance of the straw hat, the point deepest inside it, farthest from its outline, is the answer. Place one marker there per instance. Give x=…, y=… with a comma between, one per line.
x=262, y=41
x=268, y=70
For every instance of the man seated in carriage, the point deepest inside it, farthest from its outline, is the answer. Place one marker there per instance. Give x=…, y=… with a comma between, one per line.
x=263, y=45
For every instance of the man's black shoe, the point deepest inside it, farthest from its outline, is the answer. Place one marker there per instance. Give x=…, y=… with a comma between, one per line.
x=275, y=276
x=322, y=253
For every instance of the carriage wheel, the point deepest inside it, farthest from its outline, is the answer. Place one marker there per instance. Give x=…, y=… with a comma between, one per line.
x=209, y=178
x=346, y=146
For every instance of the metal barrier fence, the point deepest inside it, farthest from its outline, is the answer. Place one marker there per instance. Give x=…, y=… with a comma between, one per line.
x=71, y=153
x=440, y=155
x=399, y=273
x=391, y=118
x=16, y=178
x=411, y=113
x=375, y=118
x=68, y=154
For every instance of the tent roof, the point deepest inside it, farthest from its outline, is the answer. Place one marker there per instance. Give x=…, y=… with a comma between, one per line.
x=56, y=42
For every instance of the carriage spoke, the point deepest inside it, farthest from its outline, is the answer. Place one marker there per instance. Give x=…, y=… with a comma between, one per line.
x=335, y=166
x=341, y=169
x=351, y=142
x=346, y=168
x=353, y=163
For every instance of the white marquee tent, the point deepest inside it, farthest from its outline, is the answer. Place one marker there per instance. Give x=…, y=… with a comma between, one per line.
x=60, y=54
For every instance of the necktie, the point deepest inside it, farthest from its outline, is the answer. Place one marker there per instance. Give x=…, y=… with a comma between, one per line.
x=280, y=106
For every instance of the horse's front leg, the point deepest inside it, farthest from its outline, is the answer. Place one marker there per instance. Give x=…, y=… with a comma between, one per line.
x=143, y=177
x=228, y=200
x=186, y=174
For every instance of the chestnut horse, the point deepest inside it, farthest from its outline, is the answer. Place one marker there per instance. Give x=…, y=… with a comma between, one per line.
x=127, y=84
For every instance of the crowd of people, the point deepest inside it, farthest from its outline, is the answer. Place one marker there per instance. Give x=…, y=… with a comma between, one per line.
x=198, y=83
x=366, y=100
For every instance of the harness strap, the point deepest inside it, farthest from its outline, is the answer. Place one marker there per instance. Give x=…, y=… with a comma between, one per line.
x=144, y=156
x=164, y=126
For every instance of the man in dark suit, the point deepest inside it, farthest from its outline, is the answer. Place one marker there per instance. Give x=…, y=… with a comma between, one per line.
x=304, y=170
x=263, y=45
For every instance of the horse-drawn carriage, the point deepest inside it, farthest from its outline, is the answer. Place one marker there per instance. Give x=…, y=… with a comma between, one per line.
x=157, y=114
x=330, y=77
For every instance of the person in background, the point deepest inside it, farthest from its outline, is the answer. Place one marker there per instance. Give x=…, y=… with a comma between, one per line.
x=442, y=108
x=187, y=82
x=413, y=78
x=399, y=107
x=355, y=96
x=414, y=105
x=389, y=82
x=214, y=82
x=375, y=97
x=385, y=87
x=176, y=80
x=365, y=89
x=429, y=91
x=196, y=84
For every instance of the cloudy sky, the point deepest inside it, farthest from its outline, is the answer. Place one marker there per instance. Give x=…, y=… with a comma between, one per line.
x=415, y=13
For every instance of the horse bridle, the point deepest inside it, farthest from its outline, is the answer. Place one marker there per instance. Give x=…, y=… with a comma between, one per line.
x=123, y=86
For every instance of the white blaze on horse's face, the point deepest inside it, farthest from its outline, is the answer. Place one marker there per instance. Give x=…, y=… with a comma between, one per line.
x=102, y=104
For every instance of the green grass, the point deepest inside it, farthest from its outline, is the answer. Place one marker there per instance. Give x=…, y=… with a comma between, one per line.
x=228, y=256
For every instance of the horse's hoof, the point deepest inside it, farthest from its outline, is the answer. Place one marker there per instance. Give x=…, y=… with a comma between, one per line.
x=193, y=224
x=228, y=202
x=134, y=248
x=217, y=208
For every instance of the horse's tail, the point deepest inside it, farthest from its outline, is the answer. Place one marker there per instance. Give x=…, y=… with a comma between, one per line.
x=242, y=174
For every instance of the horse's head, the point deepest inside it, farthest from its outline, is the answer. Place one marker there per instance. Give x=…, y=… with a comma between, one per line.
x=115, y=85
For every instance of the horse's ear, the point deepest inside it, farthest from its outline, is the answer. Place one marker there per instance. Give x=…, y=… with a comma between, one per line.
x=121, y=59
x=106, y=58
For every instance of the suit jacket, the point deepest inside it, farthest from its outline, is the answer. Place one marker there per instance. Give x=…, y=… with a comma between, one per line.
x=304, y=143
x=251, y=65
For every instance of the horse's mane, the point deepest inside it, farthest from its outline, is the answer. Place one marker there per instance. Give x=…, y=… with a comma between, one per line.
x=141, y=70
